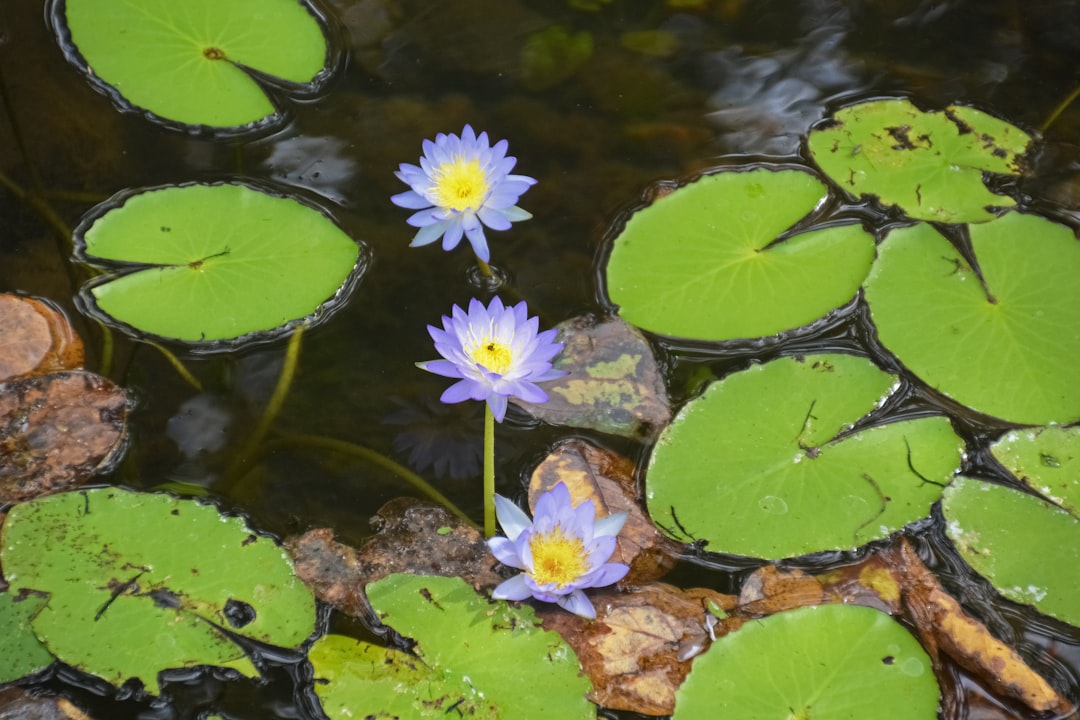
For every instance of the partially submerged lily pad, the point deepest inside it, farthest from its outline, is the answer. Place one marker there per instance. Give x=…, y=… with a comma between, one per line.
x=1003, y=340
x=497, y=660
x=198, y=62
x=763, y=465
x=613, y=383
x=1000, y=530
x=930, y=164
x=213, y=264
x=140, y=582
x=1046, y=460
x=709, y=262
x=830, y=662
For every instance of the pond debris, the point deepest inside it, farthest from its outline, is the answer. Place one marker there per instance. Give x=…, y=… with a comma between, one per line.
x=640, y=647
x=19, y=704
x=411, y=537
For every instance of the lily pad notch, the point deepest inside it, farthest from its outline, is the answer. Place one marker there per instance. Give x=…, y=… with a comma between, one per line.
x=198, y=66
x=215, y=266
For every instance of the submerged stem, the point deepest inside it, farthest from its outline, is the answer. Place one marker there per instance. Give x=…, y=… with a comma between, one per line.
x=489, y=472
x=179, y=366
x=359, y=451
x=1052, y=118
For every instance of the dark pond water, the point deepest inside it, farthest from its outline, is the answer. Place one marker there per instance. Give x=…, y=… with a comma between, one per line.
x=669, y=90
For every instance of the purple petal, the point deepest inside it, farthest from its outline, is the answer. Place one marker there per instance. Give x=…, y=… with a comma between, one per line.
x=577, y=603
x=529, y=393
x=475, y=233
x=512, y=589
x=428, y=235
x=460, y=392
x=608, y=574
x=453, y=235
x=512, y=519
x=410, y=200
x=497, y=403
x=441, y=367
x=505, y=552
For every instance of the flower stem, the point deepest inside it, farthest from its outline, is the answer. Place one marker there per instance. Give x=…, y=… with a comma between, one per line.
x=489, y=472
x=485, y=269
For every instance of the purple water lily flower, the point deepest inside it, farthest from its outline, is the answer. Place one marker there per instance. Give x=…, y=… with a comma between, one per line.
x=461, y=185
x=562, y=551
x=496, y=353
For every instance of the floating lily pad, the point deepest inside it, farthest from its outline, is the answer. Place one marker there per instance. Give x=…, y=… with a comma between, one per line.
x=497, y=657
x=196, y=62
x=1045, y=459
x=705, y=261
x=759, y=465
x=827, y=662
x=358, y=679
x=140, y=582
x=1008, y=345
x=930, y=164
x=21, y=653
x=210, y=264
x=1003, y=533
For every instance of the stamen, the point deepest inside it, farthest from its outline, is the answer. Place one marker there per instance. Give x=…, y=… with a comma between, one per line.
x=557, y=558
x=493, y=355
x=460, y=184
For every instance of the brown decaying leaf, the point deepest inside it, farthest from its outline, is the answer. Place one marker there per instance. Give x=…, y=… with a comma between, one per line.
x=57, y=431
x=18, y=704
x=591, y=473
x=613, y=382
x=411, y=538
x=638, y=650
x=38, y=338
x=944, y=627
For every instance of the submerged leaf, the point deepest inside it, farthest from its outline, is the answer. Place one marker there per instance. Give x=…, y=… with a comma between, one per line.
x=612, y=383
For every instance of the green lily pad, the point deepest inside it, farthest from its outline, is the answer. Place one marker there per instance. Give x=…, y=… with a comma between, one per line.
x=828, y=662
x=197, y=62
x=358, y=679
x=497, y=656
x=140, y=582
x=1001, y=533
x=929, y=164
x=759, y=465
x=211, y=263
x=1046, y=460
x=705, y=261
x=1007, y=346
x=21, y=653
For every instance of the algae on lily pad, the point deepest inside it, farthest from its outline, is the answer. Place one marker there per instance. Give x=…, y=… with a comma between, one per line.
x=203, y=63
x=495, y=658
x=1028, y=548
x=929, y=164
x=709, y=261
x=1005, y=340
x=762, y=464
x=1046, y=460
x=138, y=583
x=826, y=662
x=212, y=264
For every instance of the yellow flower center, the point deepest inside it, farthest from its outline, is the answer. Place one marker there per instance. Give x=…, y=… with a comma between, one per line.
x=557, y=558
x=460, y=184
x=493, y=355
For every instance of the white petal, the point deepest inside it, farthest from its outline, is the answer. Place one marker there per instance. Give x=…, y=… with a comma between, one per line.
x=512, y=519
